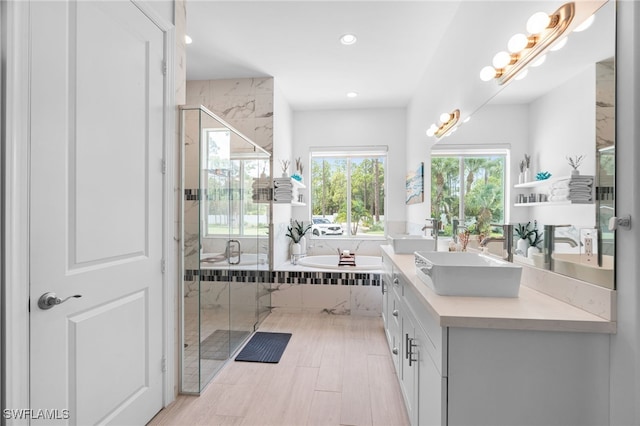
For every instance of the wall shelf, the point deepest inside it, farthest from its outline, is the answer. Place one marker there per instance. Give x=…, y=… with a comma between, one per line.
x=537, y=183
x=298, y=204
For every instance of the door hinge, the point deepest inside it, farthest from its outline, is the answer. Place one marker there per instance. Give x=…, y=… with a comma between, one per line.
x=164, y=68
x=163, y=166
x=162, y=266
x=164, y=365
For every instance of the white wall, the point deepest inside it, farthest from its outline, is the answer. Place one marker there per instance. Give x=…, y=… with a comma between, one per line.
x=282, y=145
x=625, y=345
x=366, y=127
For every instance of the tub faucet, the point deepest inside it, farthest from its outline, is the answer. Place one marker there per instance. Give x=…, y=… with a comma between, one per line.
x=435, y=227
x=507, y=241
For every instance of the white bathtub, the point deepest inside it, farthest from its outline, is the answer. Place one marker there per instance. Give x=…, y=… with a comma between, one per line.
x=323, y=262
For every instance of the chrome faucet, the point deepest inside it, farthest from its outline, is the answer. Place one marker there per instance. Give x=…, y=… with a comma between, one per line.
x=435, y=227
x=550, y=241
x=507, y=241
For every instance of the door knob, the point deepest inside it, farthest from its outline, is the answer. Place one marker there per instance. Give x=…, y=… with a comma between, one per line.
x=49, y=300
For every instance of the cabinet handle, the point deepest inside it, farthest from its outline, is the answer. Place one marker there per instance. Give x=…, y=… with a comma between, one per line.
x=410, y=346
x=406, y=346
x=396, y=281
x=395, y=351
x=382, y=285
x=394, y=313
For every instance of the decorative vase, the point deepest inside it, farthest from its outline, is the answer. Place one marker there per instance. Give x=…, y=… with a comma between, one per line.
x=296, y=249
x=303, y=245
x=575, y=172
x=527, y=175
x=522, y=246
x=531, y=251
x=521, y=177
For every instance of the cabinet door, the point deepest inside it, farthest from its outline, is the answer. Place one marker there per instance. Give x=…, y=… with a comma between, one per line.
x=409, y=366
x=431, y=405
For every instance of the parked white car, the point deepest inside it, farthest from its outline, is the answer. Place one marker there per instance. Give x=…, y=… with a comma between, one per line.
x=324, y=226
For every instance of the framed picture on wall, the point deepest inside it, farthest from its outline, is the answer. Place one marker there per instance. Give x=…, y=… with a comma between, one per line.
x=415, y=185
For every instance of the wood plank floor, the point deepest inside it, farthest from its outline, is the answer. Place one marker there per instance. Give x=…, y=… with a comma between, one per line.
x=336, y=370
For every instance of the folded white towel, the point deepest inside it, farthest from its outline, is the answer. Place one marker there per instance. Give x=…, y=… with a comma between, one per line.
x=559, y=191
x=580, y=191
x=575, y=197
x=560, y=184
x=558, y=198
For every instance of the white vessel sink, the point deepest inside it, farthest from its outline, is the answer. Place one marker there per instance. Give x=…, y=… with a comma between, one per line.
x=468, y=274
x=407, y=244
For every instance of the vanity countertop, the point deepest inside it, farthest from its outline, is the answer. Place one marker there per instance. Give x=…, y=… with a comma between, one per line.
x=532, y=310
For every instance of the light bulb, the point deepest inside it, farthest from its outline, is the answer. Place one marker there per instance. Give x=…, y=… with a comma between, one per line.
x=522, y=74
x=432, y=130
x=187, y=39
x=445, y=117
x=539, y=61
x=487, y=73
x=559, y=45
x=586, y=24
x=501, y=60
x=538, y=22
x=517, y=43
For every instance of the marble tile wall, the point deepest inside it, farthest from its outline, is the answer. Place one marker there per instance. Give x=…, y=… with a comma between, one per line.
x=245, y=103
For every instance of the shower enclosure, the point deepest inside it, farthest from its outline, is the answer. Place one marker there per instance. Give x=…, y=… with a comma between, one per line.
x=225, y=241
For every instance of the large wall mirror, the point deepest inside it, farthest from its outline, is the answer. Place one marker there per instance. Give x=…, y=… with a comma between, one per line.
x=570, y=103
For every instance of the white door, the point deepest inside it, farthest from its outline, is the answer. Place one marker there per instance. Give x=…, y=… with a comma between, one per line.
x=96, y=107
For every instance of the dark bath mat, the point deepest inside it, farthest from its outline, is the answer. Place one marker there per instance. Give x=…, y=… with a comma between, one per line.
x=216, y=345
x=264, y=347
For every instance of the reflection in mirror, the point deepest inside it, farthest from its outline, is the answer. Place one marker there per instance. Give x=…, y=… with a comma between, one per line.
x=571, y=115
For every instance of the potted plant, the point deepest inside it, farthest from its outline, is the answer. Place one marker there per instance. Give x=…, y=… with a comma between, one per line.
x=523, y=232
x=575, y=162
x=296, y=232
x=535, y=239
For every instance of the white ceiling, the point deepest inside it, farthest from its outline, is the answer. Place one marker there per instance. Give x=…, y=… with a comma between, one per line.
x=297, y=43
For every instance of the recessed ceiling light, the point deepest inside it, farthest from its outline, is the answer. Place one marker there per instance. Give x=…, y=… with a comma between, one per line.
x=187, y=39
x=348, y=39
x=352, y=94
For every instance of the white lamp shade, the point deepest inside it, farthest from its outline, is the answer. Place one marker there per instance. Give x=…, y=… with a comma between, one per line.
x=487, y=73
x=586, y=24
x=501, y=59
x=539, y=61
x=522, y=74
x=538, y=22
x=517, y=43
x=559, y=44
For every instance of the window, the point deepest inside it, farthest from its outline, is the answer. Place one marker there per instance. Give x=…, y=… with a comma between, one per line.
x=468, y=186
x=348, y=193
x=233, y=205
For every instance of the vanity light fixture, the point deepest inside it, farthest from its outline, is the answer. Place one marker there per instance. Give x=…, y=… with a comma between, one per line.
x=447, y=123
x=348, y=39
x=544, y=30
x=187, y=39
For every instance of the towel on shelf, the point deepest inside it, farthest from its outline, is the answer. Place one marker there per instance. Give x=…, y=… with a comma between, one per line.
x=558, y=191
x=558, y=198
x=560, y=184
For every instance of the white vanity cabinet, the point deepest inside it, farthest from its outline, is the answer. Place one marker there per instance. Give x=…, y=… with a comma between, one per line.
x=493, y=375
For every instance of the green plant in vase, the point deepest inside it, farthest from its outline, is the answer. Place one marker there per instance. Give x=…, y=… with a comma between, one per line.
x=523, y=232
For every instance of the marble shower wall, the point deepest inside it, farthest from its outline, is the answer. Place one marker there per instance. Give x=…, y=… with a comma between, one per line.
x=244, y=103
